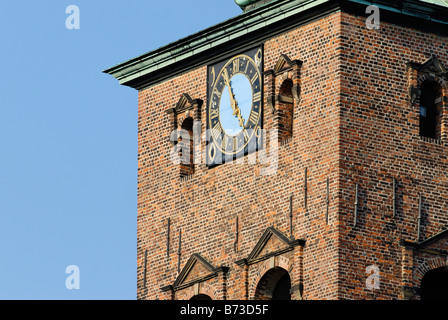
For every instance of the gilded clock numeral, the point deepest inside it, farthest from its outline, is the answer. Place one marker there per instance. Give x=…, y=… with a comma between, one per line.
x=217, y=129
x=257, y=97
x=253, y=117
x=214, y=113
x=247, y=67
x=226, y=143
x=236, y=65
x=213, y=74
x=246, y=135
x=217, y=93
x=254, y=78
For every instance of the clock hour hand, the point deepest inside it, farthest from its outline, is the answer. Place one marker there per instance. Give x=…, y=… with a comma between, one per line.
x=233, y=103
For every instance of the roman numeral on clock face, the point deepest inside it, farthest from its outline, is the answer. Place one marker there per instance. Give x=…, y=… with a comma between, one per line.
x=254, y=117
x=254, y=78
x=217, y=130
x=217, y=93
x=214, y=113
x=236, y=65
x=246, y=135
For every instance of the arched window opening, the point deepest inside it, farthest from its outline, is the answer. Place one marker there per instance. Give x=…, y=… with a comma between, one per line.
x=281, y=290
x=274, y=285
x=430, y=110
x=285, y=110
x=200, y=297
x=434, y=285
x=187, y=157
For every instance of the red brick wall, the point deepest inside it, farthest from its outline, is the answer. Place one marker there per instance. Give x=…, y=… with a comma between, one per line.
x=380, y=141
x=205, y=205
x=353, y=124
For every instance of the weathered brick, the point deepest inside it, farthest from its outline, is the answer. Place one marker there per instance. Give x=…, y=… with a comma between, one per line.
x=353, y=124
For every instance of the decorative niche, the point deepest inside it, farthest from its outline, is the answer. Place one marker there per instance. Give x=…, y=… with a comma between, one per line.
x=185, y=120
x=428, y=95
x=283, y=89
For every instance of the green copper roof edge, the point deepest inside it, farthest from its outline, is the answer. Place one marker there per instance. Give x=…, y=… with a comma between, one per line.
x=403, y=6
x=232, y=29
x=244, y=3
x=193, y=41
x=205, y=37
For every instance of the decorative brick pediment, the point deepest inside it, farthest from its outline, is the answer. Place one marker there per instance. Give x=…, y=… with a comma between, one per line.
x=195, y=273
x=186, y=107
x=185, y=103
x=284, y=69
x=432, y=69
x=435, y=244
x=272, y=243
x=432, y=65
x=285, y=64
x=197, y=269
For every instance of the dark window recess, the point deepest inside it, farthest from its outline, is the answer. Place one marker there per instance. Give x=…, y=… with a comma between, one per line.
x=201, y=297
x=281, y=290
x=430, y=111
x=285, y=110
x=187, y=158
x=434, y=285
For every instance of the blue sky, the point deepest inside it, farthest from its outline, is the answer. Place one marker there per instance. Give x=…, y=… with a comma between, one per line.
x=68, y=138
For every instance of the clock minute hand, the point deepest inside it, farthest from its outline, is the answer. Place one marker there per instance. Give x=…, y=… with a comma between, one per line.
x=232, y=97
x=238, y=115
x=233, y=103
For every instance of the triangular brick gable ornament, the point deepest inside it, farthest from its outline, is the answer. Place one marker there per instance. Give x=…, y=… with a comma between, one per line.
x=433, y=68
x=185, y=103
x=197, y=269
x=433, y=65
x=283, y=63
x=430, y=243
x=272, y=243
x=185, y=107
x=283, y=66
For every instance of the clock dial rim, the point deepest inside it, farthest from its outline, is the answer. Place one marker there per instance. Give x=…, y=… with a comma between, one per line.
x=218, y=78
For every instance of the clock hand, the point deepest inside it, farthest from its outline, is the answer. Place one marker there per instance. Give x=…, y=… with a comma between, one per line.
x=232, y=97
x=237, y=113
x=233, y=103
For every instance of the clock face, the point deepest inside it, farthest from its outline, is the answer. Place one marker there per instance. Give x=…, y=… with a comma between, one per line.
x=234, y=111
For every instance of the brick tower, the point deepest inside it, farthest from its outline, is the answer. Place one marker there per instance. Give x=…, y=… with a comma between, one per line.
x=296, y=151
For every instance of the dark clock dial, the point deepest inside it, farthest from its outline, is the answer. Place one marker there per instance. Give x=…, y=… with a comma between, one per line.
x=234, y=111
